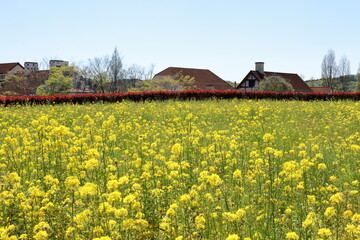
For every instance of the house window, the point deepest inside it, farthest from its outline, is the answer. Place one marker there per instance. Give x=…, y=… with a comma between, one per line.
x=251, y=83
x=210, y=87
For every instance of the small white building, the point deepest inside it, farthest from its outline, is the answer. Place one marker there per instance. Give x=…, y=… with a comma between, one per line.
x=31, y=66
x=58, y=63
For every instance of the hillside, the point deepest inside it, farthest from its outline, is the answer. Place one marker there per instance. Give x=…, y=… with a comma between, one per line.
x=351, y=86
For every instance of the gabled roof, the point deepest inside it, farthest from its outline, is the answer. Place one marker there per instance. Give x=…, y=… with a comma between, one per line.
x=203, y=77
x=6, y=67
x=295, y=80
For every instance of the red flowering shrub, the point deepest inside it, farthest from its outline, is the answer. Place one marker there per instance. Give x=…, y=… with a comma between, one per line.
x=176, y=95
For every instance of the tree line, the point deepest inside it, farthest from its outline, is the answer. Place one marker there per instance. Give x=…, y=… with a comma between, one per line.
x=338, y=76
x=110, y=75
x=98, y=75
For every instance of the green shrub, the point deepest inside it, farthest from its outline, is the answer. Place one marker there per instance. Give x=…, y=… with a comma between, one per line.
x=275, y=84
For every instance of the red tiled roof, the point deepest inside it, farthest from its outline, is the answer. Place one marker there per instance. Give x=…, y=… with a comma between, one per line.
x=321, y=89
x=6, y=67
x=203, y=77
x=295, y=80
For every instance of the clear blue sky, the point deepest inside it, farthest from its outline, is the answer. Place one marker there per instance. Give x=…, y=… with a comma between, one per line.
x=226, y=36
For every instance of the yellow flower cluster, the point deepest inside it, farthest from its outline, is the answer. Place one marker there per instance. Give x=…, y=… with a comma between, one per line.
x=219, y=169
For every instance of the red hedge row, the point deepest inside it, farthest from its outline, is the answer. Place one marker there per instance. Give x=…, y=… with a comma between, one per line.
x=176, y=95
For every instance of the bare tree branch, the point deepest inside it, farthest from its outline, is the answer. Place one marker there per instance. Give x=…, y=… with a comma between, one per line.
x=97, y=69
x=329, y=69
x=344, y=72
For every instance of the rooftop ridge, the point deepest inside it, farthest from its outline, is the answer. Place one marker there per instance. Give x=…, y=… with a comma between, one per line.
x=277, y=72
x=190, y=68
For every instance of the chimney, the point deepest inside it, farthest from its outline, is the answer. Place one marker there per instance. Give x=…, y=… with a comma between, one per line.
x=259, y=66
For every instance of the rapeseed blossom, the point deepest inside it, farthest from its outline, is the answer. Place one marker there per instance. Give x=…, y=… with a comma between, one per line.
x=200, y=221
x=224, y=169
x=72, y=182
x=292, y=236
x=324, y=232
x=337, y=198
x=233, y=237
x=330, y=212
x=41, y=235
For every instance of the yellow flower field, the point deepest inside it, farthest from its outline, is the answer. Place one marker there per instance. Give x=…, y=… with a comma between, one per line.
x=218, y=169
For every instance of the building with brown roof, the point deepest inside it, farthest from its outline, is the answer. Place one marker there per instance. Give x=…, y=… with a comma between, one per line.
x=10, y=68
x=204, y=78
x=252, y=79
x=321, y=89
x=24, y=83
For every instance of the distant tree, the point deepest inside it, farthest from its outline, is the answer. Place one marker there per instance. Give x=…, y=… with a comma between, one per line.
x=138, y=72
x=344, y=74
x=176, y=83
x=231, y=83
x=186, y=82
x=59, y=82
x=134, y=72
x=150, y=72
x=97, y=71
x=156, y=84
x=116, y=73
x=15, y=85
x=275, y=84
x=358, y=80
x=82, y=83
x=132, y=75
x=329, y=69
x=21, y=84
x=104, y=74
x=45, y=62
x=314, y=82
